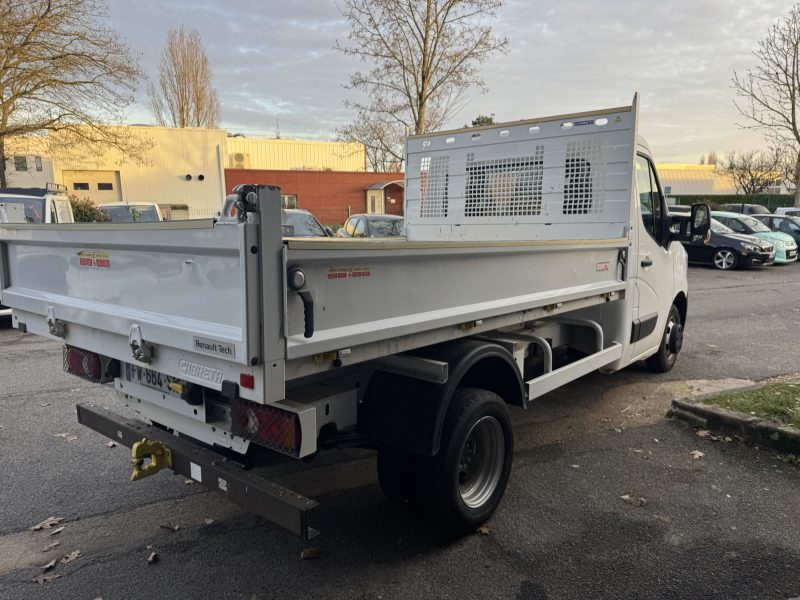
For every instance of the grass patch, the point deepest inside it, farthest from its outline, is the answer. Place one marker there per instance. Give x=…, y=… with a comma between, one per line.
x=779, y=402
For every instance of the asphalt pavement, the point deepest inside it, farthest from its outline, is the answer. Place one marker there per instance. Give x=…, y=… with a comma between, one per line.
x=605, y=499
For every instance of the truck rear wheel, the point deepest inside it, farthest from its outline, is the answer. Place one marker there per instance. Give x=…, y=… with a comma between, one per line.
x=466, y=480
x=671, y=343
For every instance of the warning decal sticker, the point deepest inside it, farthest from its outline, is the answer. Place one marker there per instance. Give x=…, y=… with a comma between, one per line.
x=94, y=258
x=349, y=272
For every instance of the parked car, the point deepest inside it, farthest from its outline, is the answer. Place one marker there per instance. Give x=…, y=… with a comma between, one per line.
x=791, y=211
x=785, y=246
x=785, y=224
x=139, y=212
x=301, y=223
x=725, y=249
x=746, y=209
x=372, y=226
x=35, y=205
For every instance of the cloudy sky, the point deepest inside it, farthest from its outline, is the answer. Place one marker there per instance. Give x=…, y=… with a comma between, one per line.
x=274, y=62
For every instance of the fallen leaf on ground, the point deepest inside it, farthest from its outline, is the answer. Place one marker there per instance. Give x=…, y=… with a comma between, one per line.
x=71, y=556
x=575, y=466
x=44, y=578
x=638, y=450
x=153, y=557
x=310, y=553
x=111, y=445
x=209, y=521
x=727, y=439
x=61, y=435
x=703, y=433
x=697, y=454
x=57, y=530
x=49, y=565
x=634, y=500
x=170, y=526
x=50, y=546
x=656, y=440
x=188, y=481
x=47, y=523
x=484, y=530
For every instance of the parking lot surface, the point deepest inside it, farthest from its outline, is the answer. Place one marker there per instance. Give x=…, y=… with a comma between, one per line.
x=605, y=499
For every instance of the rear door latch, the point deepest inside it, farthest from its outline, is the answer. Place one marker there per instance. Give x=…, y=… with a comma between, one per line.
x=57, y=327
x=141, y=350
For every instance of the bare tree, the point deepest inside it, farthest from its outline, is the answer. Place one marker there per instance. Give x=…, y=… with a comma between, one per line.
x=712, y=158
x=185, y=95
x=754, y=171
x=769, y=93
x=63, y=71
x=382, y=141
x=422, y=57
x=703, y=159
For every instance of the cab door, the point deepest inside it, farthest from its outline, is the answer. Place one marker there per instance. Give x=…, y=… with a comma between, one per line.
x=653, y=265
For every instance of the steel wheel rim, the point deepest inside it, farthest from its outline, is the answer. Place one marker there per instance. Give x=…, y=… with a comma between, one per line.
x=667, y=334
x=480, y=464
x=723, y=259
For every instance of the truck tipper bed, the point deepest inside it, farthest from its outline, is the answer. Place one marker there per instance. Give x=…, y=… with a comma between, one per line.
x=535, y=252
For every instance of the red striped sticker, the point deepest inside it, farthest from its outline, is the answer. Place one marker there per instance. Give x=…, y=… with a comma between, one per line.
x=349, y=272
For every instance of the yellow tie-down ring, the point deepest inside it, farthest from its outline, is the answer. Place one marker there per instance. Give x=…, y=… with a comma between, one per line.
x=160, y=457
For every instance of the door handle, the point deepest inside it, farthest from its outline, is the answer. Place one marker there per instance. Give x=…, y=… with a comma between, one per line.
x=647, y=261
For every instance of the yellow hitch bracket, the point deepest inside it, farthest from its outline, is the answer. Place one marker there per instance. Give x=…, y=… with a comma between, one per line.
x=160, y=457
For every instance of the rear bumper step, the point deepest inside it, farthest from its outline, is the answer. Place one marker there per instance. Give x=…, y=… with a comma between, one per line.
x=252, y=492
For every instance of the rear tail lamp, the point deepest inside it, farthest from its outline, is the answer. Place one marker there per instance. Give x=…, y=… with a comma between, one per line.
x=88, y=365
x=277, y=429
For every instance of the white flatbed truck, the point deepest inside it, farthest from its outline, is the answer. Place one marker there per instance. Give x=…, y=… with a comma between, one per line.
x=536, y=252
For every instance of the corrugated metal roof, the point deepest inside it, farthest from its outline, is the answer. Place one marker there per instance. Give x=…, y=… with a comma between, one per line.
x=694, y=180
x=288, y=155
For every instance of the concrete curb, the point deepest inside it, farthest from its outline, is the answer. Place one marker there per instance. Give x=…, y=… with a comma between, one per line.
x=749, y=429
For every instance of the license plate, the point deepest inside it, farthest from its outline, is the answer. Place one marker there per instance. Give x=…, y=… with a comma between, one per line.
x=150, y=378
x=791, y=254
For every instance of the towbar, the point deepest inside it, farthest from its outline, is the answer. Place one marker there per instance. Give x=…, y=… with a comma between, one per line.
x=252, y=492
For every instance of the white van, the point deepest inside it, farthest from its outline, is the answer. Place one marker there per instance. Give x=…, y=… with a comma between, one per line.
x=31, y=206
x=788, y=211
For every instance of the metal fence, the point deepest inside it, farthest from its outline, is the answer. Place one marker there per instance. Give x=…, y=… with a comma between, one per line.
x=771, y=201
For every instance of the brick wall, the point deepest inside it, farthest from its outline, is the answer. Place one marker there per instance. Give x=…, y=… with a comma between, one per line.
x=328, y=195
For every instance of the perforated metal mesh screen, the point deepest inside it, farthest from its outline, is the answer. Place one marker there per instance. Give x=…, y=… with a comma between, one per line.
x=584, y=169
x=433, y=182
x=500, y=187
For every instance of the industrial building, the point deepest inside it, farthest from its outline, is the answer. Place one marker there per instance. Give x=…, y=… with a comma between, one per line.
x=184, y=170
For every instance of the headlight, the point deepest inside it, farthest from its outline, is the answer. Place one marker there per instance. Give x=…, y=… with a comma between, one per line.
x=779, y=243
x=752, y=248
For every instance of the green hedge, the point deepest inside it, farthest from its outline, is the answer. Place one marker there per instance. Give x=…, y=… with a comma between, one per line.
x=771, y=201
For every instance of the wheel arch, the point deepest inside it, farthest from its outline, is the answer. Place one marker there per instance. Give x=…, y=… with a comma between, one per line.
x=409, y=413
x=682, y=304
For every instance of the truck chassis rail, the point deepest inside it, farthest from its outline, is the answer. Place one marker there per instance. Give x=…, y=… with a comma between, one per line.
x=252, y=492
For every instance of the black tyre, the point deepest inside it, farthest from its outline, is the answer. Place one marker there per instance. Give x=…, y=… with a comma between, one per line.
x=725, y=259
x=671, y=344
x=466, y=480
x=398, y=474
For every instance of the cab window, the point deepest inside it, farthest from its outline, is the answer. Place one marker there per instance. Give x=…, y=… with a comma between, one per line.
x=649, y=198
x=361, y=228
x=350, y=228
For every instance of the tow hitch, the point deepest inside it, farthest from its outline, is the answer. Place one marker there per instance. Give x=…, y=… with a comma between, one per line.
x=160, y=457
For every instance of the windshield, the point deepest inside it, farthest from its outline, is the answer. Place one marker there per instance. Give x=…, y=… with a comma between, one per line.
x=34, y=208
x=385, y=227
x=755, y=224
x=132, y=213
x=305, y=225
x=718, y=227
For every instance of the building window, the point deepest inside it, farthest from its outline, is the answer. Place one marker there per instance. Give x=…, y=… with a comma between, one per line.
x=21, y=163
x=105, y=187
x=80, y=186
x=289, y=200
x=38, y=161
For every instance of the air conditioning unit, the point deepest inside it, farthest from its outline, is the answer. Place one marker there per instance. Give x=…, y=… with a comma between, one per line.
x=240, y=160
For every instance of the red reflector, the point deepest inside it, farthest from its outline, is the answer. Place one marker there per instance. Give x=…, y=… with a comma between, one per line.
x=82, y=363
x=247, y=381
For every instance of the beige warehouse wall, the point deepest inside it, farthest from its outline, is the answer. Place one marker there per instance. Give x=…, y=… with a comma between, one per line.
x=290, y=155
x=159, y=173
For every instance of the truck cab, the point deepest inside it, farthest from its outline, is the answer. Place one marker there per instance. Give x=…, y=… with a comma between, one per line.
x=47, y=206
